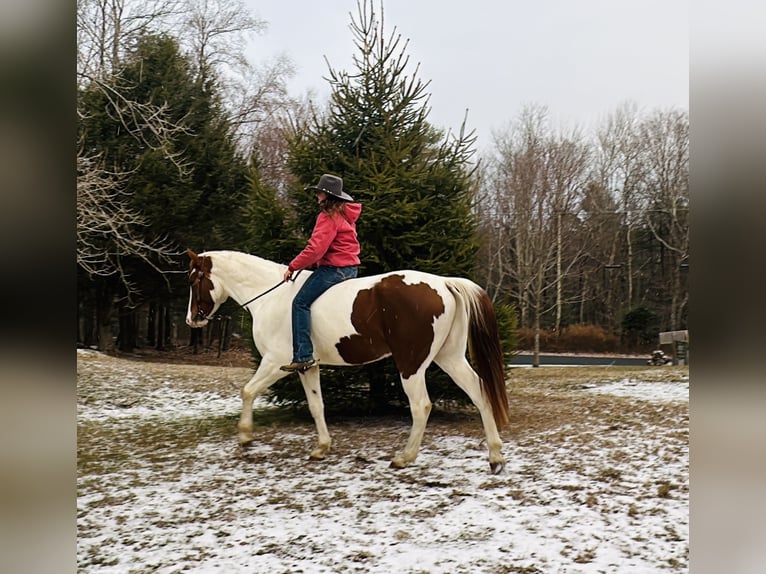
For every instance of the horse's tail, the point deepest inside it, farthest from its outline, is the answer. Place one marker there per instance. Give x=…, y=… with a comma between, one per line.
x=484, y=344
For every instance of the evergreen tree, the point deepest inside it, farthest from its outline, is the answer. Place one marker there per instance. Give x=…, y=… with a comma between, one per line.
x=271, y=221
x=415, y=183
x=190, y=185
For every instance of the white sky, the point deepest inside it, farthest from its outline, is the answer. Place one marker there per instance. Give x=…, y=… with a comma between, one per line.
x=581, y=58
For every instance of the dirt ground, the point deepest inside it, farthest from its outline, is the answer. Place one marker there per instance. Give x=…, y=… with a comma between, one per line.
x=596, y=481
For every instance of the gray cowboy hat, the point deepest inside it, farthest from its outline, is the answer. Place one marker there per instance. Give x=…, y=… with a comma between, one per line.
x=331, y=184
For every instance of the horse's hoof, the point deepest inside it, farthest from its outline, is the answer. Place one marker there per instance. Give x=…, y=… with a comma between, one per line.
x=497, y=467
x=317, y=455
x=246, y=442
x=397, y=463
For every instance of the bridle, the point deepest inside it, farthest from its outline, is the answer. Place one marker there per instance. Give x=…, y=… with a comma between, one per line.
x=197, y=293
x=201, y=315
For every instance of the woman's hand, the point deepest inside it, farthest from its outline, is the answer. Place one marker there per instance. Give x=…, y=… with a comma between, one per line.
x=288, y=275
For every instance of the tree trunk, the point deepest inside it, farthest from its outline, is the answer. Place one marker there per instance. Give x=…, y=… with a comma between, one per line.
x=168, y=329
x=195, y=340
x=126, y=337
x=629, y=263
x=104, y=307
x=536, y=355
x=676, y=296
x=559, y=294
x=151, y=328
x=161, y=311
x=227, y=330
x=86, y=325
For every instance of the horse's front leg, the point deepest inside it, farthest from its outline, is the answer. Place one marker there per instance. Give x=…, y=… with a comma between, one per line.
x=266, y=375
x=310, y=381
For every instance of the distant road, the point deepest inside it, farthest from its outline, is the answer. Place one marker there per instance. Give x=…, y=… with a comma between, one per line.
x=577, y=360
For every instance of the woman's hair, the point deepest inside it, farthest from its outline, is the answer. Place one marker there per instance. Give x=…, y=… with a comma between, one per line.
x=331, y=206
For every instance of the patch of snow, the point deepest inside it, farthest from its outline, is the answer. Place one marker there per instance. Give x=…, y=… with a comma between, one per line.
x=164, y=402
x=647, y=391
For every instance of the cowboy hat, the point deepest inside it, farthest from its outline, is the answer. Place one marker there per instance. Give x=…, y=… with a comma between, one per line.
x=331, y=184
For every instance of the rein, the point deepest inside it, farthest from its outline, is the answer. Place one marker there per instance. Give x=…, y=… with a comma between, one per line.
x=245, y=304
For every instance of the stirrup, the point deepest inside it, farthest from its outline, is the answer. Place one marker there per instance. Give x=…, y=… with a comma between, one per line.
x=313, y=363
x=300, y=367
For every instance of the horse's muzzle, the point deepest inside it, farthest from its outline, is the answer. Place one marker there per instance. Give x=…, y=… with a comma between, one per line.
x=198, y=321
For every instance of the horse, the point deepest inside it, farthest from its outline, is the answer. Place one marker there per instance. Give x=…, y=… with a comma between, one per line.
x=414, y=317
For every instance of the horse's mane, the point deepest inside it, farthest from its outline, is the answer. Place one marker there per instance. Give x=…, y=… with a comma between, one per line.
x=239, y=256
x=240, y=265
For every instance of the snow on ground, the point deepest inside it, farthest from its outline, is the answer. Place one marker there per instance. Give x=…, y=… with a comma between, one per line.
x=654, y=391
x=162, y=486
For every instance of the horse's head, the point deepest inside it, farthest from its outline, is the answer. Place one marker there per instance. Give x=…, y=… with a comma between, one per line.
x=204, y=295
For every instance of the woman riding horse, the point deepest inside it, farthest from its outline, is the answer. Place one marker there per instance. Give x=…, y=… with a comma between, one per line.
x=334, y=247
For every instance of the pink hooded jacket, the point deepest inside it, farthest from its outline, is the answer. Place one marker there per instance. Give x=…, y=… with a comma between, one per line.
x=333, y=241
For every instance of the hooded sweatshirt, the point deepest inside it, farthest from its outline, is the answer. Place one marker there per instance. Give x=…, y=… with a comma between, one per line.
x=333, y=241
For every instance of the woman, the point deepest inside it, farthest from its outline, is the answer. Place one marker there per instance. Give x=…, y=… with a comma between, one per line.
x=334, y=247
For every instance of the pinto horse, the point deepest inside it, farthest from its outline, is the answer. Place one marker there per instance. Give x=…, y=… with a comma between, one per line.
x=416, y=318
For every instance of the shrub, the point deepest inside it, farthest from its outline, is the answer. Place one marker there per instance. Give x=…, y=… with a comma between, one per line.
x=640, y=327
x=573, y=338
x=588, y=338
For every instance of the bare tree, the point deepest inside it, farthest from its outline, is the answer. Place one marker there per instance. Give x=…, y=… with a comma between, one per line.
x=619, y=170
x=105, y=28
x=107, y=229
x=532, y=193
x=665, y=136
x=519, y=187
x=259, y=100
x=566, y=176
x=599, y=223
x=216, y=33
x=213, y=32
x=642, y=163
x=489, y=208
x=516, y=184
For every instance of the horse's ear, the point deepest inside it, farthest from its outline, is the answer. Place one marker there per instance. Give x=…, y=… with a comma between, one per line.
x=192, y=255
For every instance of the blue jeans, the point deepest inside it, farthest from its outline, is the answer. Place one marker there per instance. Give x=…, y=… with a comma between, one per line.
x=318, y=282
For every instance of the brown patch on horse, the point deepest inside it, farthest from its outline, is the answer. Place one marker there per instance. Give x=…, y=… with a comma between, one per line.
x=202, y=264
x=200, y=283
x=393, y=317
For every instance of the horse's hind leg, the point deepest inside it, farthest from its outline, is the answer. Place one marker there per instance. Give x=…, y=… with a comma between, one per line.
x=310, y=381
x=420, y=407
x=458, y=368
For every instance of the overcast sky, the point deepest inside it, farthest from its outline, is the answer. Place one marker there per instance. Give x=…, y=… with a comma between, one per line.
x=581, y=58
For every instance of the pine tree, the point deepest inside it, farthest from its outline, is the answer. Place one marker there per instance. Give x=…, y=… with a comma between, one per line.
x=189, y=185
x=415, y=182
